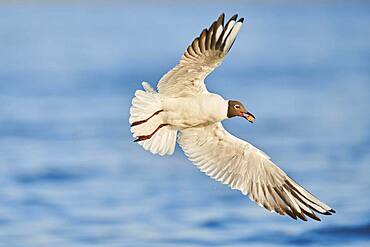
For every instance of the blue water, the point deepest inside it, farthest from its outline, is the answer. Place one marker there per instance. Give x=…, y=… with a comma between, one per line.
x=70, y=174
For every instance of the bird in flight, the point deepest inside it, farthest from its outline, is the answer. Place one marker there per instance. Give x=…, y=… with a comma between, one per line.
x=184, y=111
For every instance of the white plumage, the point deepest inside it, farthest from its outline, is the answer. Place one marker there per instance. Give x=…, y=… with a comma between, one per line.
x=183, y=104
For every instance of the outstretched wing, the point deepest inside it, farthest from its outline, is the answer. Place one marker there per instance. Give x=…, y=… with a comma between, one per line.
x=237, y=163
x=202, y=56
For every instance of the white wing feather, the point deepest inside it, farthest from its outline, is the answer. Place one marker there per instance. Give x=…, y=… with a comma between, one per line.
x=202, y=56
x=243, y=167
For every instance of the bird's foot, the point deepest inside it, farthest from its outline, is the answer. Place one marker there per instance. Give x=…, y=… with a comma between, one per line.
x=145, y=120
x=147, y=137
x=142, y=138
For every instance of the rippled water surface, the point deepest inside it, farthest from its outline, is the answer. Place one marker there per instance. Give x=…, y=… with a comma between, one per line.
x=70, y=174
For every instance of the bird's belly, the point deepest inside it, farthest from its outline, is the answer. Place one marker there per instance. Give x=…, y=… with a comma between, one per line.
x=183, y=120
x=182, y=123
x=189, y=112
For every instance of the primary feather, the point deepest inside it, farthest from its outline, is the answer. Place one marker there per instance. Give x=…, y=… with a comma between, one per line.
x=201, y=57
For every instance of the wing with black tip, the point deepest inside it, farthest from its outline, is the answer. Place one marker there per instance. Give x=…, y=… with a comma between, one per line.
x=241, y=166
x=201, y=57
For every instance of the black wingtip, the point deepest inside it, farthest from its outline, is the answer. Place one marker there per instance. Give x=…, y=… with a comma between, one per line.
x=312, y=215
x=317, y=219
x=326, y=213
x=332, y=211
x=241, y=20
x=302, y=217
x=234, y=17
x=221, y=19
x=293, y=216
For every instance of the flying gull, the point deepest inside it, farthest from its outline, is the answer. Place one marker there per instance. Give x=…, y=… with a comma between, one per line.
x=184, y=111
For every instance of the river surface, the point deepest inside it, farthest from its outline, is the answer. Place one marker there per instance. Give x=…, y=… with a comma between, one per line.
x=70, y=174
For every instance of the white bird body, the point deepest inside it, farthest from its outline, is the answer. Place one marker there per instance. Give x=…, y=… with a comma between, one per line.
x=194, y=111
x=183, y=111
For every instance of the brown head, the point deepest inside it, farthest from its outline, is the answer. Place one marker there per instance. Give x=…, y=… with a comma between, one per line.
x=237, y=109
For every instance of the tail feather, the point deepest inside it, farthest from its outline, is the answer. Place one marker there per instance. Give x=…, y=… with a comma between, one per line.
x=163, y=142
x=144, y=105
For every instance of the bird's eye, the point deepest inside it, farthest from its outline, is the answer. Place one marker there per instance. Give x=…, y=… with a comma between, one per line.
x=236, y=106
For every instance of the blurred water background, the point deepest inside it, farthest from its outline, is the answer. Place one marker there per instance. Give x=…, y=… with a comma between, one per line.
x=70, y=174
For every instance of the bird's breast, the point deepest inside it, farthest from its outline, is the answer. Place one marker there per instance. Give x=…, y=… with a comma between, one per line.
x=194, y=111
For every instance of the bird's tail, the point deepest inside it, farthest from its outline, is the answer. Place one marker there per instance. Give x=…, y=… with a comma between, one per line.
x=147, y=125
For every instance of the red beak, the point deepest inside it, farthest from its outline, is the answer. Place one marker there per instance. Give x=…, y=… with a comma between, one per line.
x=249, y=116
